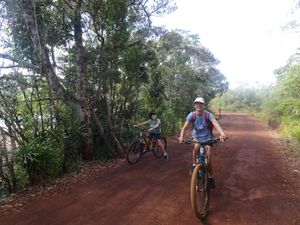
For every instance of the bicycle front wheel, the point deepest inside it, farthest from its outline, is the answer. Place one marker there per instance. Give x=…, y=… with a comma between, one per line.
x=199, y=191
x=134, y=152
x=157, y=151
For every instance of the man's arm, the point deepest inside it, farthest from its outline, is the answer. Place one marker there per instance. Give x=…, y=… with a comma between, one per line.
x=219, y=129
x=186, y=124
x=140, y=124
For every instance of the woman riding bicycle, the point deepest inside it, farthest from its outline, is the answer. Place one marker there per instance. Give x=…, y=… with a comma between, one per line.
x=201, y=132
x=154, y=131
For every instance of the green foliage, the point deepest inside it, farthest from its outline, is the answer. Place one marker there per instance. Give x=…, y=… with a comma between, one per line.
x=125, y=68
x=285, y=103
x=155, y=90
x=289, y=85
x=241, y=99
x=21, y=176
x=188, y=71
x=5, y=182
x=170, y=121
x=291, y=127
x=41, y=158
x=70, y=134
x=279, y=106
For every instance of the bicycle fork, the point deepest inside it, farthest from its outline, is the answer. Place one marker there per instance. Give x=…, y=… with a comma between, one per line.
x=202, y=159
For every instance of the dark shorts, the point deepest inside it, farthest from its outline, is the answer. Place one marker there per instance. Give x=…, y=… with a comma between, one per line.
x=154, y=136
x=211, y=144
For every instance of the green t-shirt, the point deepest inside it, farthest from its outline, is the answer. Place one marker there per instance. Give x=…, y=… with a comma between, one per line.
x=153, y=123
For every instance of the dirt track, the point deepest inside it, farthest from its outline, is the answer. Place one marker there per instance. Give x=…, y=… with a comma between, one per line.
x=254, y=186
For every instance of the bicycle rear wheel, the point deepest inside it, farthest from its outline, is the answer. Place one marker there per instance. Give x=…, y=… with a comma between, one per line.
x=199, y=192
x=157, y=152
x=134, y=152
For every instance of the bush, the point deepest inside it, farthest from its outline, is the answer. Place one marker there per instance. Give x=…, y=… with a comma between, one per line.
x=41, y=159
x=291, y=128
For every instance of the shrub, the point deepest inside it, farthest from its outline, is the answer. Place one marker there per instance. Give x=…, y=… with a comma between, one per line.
x=41, y=159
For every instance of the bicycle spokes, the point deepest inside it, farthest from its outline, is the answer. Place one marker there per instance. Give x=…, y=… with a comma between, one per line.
x=199, y=192
x=157, y=151
x=137, y=149
x=134, y=152
x=142, y=145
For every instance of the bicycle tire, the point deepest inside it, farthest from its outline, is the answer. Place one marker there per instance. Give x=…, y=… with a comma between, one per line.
x=158, y=153
x=134, y=152
x=199, y=193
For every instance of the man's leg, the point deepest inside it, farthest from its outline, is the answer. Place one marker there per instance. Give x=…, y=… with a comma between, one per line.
x=196, y=149
x=162, y=147
x=211, y=180
x=150, y=140
x=209, y=154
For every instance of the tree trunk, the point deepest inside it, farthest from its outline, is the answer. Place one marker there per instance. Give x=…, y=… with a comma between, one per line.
x=83, y=109
x=3, y=154
x=11, y=163
x=110, y=149
x=79, y=103
x=28, y=8
x=118, y=147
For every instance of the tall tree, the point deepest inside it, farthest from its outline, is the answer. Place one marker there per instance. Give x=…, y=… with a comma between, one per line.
x=95, y=36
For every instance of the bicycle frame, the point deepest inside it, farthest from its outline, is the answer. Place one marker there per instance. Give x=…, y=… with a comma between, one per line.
x=143, y=139
x=141, y=145
x=199, y=187
x=202, y=159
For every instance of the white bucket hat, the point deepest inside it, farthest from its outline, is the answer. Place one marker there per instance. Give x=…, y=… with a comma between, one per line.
x=201, y=100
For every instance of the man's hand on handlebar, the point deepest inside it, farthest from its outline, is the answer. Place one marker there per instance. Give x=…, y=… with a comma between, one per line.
x=222, y=137
x=180, y=140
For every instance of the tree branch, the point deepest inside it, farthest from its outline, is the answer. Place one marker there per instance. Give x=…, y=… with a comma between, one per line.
x=20, y=63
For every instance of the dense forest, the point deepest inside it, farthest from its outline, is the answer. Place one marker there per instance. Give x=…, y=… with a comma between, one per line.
x=76, y=75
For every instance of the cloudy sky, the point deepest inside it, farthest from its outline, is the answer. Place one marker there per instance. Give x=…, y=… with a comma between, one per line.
x=245, y=35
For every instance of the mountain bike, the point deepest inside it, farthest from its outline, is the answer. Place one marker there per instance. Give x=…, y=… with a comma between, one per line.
x=141, y=145
x=199, y=187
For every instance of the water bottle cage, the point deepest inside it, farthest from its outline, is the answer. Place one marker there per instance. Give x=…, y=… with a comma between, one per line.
x=202, y=172
x=201, y=159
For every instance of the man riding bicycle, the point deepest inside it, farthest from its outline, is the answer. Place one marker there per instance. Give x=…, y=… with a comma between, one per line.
x=201, y=132
x=155, y=131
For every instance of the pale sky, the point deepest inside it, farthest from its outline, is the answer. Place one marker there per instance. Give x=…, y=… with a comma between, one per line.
x=244, y=35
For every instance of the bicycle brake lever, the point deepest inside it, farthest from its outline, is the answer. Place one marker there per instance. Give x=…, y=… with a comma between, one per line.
x=187, y=141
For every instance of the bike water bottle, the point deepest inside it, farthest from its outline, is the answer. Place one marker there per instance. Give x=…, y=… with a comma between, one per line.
x=201, y=150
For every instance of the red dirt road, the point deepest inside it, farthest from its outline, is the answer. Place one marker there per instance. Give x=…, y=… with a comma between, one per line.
x=254, y=186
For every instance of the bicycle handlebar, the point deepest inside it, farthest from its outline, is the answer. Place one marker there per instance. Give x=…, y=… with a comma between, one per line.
x=139, y=128
x=210, y=141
